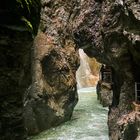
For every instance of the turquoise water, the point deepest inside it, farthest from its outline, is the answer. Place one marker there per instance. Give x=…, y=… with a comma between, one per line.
x=89, y=121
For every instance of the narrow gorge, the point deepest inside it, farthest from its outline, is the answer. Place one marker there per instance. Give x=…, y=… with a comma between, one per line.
x=43, y=45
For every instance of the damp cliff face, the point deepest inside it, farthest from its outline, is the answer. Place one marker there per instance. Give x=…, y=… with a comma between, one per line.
x=17, y=28
x=109, y=31
x=52, y=96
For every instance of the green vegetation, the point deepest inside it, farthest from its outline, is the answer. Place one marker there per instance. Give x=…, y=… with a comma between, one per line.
x=27, y=23
x=30, y=13
x=27, y=3
x=20, y=14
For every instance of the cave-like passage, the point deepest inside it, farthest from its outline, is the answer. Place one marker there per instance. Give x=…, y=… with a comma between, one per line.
x=89, y=120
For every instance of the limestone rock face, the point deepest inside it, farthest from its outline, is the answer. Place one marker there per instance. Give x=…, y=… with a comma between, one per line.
x=16, y=39
x=110, y=31
x=51, y=98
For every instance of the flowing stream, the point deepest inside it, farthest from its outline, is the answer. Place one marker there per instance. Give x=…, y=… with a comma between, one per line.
x=89, y=121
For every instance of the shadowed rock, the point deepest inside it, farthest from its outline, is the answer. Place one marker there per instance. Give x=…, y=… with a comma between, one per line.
x=109, y=31
x=17, y=28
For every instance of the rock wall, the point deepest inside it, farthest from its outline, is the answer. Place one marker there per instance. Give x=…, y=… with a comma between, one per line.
x=17, y=28
x=106, y=30
x=104, y=93
x=51, y=98
x=109, y=31
x=105, y=86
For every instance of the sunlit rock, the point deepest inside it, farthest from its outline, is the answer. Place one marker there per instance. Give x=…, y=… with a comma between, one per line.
x=88, y=73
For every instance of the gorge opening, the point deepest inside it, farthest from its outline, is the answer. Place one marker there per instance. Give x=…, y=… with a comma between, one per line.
x=89, y=119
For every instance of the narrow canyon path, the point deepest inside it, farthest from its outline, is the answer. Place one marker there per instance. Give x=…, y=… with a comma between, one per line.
x=89, y=121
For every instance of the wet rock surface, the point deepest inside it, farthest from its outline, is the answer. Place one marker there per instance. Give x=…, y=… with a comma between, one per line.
x=14, y=79
x=16, y=39
x=53, y=93
x=109, y=31
x=106, y=30
x=129, y=124
x=105, y=93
